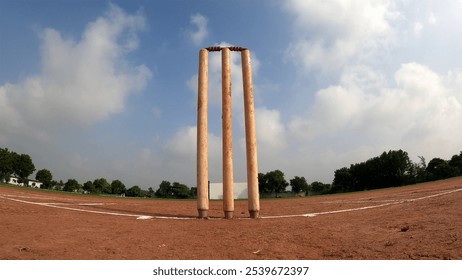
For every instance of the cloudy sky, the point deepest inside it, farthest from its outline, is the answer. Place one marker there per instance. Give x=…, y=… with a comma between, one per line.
x=96, y=89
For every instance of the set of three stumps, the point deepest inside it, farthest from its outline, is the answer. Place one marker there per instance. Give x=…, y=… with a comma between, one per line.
x=250, y=133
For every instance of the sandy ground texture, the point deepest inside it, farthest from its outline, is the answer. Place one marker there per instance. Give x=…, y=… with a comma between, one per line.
x=416, y=222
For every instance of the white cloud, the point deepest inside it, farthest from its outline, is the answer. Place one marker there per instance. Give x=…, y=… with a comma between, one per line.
x=419, y=114
x=329, y=34
x=80, y=82
x=270, y=130
x=181, y=154
x=418, y=26
x=184, y=142
x=201, y=32
x=370, y=98
x=432, y=18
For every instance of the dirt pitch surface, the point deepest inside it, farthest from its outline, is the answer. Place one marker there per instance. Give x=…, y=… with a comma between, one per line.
x=415, y=222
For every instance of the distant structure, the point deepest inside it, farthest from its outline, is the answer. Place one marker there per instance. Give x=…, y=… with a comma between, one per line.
x=240, y=191
x=15, y=181
x=30, y=183
x=250, y=133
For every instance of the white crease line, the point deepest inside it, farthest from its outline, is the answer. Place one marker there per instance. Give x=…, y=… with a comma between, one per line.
x=360, y=201
x=361, y=208
x=143, y=217
x=371, y=199
x=139, y=217
x=23, y=196
x=79, y=204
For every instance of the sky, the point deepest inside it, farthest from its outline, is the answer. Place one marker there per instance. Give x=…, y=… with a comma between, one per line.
x=93, y=89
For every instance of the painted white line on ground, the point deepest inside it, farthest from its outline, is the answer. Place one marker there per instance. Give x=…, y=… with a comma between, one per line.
x=140, y=217
x=358, y=201
x=31, y=196
x=147, y=217
x=362, y=208
x=78, y=204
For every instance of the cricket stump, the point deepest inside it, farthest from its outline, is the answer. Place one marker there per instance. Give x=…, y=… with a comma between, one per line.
x=250, y=133
x=227, y=135
x=202, y=134
x=250, y=136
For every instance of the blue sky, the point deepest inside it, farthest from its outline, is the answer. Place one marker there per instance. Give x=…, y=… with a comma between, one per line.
x=96, y=89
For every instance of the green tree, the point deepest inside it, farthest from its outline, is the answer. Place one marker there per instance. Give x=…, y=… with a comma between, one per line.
x=440, y=169
x=263, y=186
x=276, y=182
x=299, y=184
x=392, y=168
x=343, y=180
x=319, y=188
x=71, y=186
x=417, y=172
x=89, y=187
x=456, y=162
x=180, y=190
x=102, y=186
x=193, y=192
x=164, y=190
x=175, y=190
x=150, y=192
x=6, y=164
x=118, y=187
x=58, y=186
x=134, y=191
x=44, y=176
x=396, y=166
x=23, y=166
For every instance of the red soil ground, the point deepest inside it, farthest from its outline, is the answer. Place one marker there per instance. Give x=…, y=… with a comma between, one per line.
x=415, y=222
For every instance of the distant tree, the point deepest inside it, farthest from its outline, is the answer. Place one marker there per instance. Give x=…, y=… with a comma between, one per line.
x=299, y=184
x=58, y=186
x=263, y=186
x=456, y=162
x=150, y=192
x=175, y=190
x=180, y=190
x=343, y=180
x=319, y=188
x=440, y=169
x=102, y=186
x=396, y=166
x=118, y=187
x=193, y=192
x=417, y=172
x=89, y=187
x=360, y=176
x=276, y=182
x=44, y=176
x=392, y=168
x=164, y=190
x=23, y=166
x=71, y=186
x=6, y=164
x=134, y=191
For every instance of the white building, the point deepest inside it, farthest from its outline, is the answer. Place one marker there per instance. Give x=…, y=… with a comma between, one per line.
x=35, y=184
x=31, y=183
x=240, y=191
x=15, y=181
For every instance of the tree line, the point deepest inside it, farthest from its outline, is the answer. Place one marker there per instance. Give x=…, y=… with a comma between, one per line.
x=393, y=169
x=390, y=169
x=273, y=183
x=21, y=166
